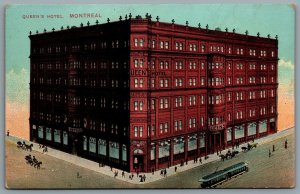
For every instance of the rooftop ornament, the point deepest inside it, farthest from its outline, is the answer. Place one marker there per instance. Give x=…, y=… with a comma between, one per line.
x=233, y=30
x=53, y=29
x=187, y=23
x=45, y=30
x=120, y=18
x=246, y=32
x=126, y=17
x=108, y=20
x=150, y=17
x=97, y=22
x=37, y=31
x=276, y=37
x=226, y=29
x=81, y=25
x=88, y=23
x=269, y=36
x=61, y=27
x=173, y=21
x=130, y=16
x=147, y=15
x=199, y=25
x=258, y=34
x=157, y=18
x=206, y=26
x=68, y=27
x=30, y=32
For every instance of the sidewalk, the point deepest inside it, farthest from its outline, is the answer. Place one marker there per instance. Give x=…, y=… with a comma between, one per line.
x=106, y=170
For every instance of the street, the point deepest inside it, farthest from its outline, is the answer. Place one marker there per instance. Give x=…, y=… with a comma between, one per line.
x=264, y=171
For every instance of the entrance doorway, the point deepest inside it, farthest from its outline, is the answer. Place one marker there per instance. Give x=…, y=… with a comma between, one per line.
x=138, y=163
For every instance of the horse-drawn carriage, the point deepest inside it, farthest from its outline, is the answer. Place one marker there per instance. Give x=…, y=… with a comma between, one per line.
x=33, y=161
x=228, y=155
x=24, y=146
x=249, y=147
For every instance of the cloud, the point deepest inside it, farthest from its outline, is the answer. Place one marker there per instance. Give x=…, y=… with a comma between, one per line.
x=286, y=64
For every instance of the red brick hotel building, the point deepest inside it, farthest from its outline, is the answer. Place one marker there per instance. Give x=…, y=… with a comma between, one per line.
x=142, y=95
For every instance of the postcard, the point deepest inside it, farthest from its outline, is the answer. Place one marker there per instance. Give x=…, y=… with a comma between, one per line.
x=150, y=96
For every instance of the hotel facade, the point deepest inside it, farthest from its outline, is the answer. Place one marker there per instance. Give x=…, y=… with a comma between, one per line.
x=142, y=95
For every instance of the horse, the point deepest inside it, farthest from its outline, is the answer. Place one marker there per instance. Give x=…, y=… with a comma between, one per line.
x=37, y=165
x=223, y=157
x=28, y=147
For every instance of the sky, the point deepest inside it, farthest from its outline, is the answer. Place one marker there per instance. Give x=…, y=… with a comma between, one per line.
x=273, y=19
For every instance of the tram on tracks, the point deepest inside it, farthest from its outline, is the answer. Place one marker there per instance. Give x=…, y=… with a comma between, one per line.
x=213, y=179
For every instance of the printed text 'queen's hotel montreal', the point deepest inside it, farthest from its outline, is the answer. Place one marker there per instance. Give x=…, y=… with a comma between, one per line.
x=142, y=95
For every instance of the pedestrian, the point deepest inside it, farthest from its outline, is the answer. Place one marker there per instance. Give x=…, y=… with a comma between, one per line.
x=165, y=172
x=161, y=172
x=175, y=168
x=7, y=133
x=46, y=149
x=269, y=153
x=200, y=160
x=137, y=173
x=123, y=174
x=186, y=162
x=152, y=171
x=144, y=177
x=273, y=148
x=111, y=169
x=285, y=144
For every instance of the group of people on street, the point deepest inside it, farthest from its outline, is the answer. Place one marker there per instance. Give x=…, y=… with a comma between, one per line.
x=163, y=172
x=45, y=149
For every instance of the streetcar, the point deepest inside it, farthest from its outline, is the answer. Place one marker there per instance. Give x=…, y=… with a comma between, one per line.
x=212, y=180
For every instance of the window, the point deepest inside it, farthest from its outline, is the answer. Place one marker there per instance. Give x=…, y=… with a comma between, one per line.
x=141, y=131
x=164, y=103
x=135, y=105
x=180, y=46
x=141, y=63
x=135, y=131
x=192, y=100
x=135, y=82
x=152, y=104
x=192, y=123
x=152, y=129
x=178, y=102
x=202, y=99
x=153, y=43
x=166, y=45
x=141, y=42
x=141, y=82
x=141, y=105
x=202, y=48
x=202, y=81
x=135, y=42
x=161, y=127
x=161, y=44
